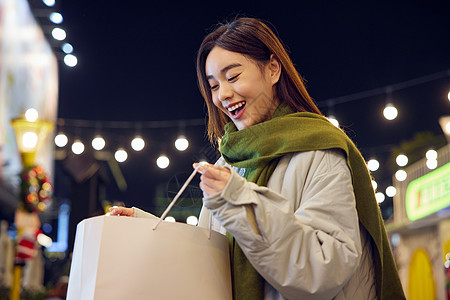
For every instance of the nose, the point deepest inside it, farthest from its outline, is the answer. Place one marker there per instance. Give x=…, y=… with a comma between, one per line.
x=225, y=92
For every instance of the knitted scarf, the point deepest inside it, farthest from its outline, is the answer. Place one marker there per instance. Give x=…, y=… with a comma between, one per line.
x=258, y=149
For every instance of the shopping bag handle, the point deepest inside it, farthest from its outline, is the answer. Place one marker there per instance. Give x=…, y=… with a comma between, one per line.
x=176, y=197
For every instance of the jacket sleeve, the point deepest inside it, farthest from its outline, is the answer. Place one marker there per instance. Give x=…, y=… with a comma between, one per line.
x=307, y=243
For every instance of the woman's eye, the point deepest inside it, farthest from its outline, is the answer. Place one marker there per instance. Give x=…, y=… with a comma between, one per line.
x=214, y=87
x=233, y=78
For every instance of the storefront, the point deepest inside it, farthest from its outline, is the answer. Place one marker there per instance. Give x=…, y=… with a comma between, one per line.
x=420, y=230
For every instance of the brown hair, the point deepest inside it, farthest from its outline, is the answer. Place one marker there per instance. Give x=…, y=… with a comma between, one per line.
x=254, y=39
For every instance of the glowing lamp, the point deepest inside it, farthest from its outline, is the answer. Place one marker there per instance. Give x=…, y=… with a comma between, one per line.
x=29, y=136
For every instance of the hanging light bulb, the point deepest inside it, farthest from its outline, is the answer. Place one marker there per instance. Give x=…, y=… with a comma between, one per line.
x=192, y=220
x=391, y=191
x=431, y=154
x=77, y=147
x=401, y=160
x=49, y=2
x=137, y=143
x=448, y=96
x=401, y=175
x=121, y=155
x=59, y=34
x=61, y=140
x=380, y=197
x=390, y=112
x=170, y=219
x=431, y=164
x=331, y=116
x=98, y=143
x=181, y=143
x=56, y=17
x=333, y=120
x=163, y=161
x=374, y=185
x=67, y=48
x=70, y=60
x=373, y=165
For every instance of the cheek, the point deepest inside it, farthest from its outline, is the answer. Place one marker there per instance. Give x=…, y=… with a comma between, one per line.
x=217, y=103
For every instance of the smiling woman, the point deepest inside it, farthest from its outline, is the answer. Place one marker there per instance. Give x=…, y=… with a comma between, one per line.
x=248, y=45
x=290, y=189
x=303, y=222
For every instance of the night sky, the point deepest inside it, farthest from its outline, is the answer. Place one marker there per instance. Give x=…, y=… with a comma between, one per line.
x=136, y=62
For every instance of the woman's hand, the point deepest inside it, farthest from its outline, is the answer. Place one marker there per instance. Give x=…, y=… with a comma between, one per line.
x=214, y=178
x=121, y=211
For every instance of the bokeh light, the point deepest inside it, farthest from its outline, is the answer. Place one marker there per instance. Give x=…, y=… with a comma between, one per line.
x=162, y=161
x=61, y=140
x=181, y=143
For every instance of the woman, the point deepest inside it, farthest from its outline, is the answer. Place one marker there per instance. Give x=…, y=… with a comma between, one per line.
x=291, y=191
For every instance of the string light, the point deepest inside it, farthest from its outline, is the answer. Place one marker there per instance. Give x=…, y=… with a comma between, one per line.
x=49, y=2
x=391, y=191
x=431, y=154
x=67, y=48
x=431, y=164
x=121, y=155
x=170, y=219
x=380, y=197
x=401, y=175
x=56, y=18
x=137, y=143
x=61, y=140
x=77, y=147
x=374, y=185
x=401, y=160
x=333, y=120
x=98, y=143
x=59, y=34
x=373, y=165
x=331, y=116
x=390, y=112
x=162, y=161
x=70, y=60
x=181, y=143
x=192, y=220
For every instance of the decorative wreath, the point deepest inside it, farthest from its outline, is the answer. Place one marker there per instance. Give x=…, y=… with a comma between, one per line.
x=36, y=189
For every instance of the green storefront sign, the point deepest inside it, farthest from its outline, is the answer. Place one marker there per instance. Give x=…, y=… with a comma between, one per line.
x=428, y=194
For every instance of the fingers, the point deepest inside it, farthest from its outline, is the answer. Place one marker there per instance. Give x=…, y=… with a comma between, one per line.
x=121, y=211
x=212, y=171
x=214, y=178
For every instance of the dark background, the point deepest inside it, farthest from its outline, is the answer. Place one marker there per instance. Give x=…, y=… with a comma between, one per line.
x=136, y=63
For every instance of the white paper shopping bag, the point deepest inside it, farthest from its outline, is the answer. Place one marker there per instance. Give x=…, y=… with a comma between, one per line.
x=124, y=258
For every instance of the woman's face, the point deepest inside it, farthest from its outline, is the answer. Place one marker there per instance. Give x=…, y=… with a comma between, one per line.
x=240, y=88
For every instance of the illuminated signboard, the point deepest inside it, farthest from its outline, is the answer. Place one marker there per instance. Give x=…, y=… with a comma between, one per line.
x=428, y=194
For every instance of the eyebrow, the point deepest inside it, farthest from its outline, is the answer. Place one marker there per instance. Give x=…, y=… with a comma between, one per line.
x=224, y=70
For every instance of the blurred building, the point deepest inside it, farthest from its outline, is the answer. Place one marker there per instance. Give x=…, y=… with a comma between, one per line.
x=420, y=230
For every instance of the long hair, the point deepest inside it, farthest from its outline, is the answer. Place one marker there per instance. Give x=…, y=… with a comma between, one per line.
x=254, y=39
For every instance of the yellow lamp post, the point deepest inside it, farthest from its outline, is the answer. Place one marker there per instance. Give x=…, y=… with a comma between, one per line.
x=29, y=137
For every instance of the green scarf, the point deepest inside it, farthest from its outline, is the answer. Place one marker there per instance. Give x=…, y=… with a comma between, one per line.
x=258, y=149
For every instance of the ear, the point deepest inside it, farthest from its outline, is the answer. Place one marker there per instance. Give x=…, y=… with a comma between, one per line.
x=274, y=66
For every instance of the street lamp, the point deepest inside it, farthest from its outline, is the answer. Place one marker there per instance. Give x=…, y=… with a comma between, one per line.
x=29, y=137
x=29, y=132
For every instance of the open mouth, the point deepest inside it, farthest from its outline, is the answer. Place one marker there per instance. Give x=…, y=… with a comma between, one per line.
x=236, y=108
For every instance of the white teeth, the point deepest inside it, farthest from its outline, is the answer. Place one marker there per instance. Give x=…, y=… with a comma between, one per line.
x=236, y=106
